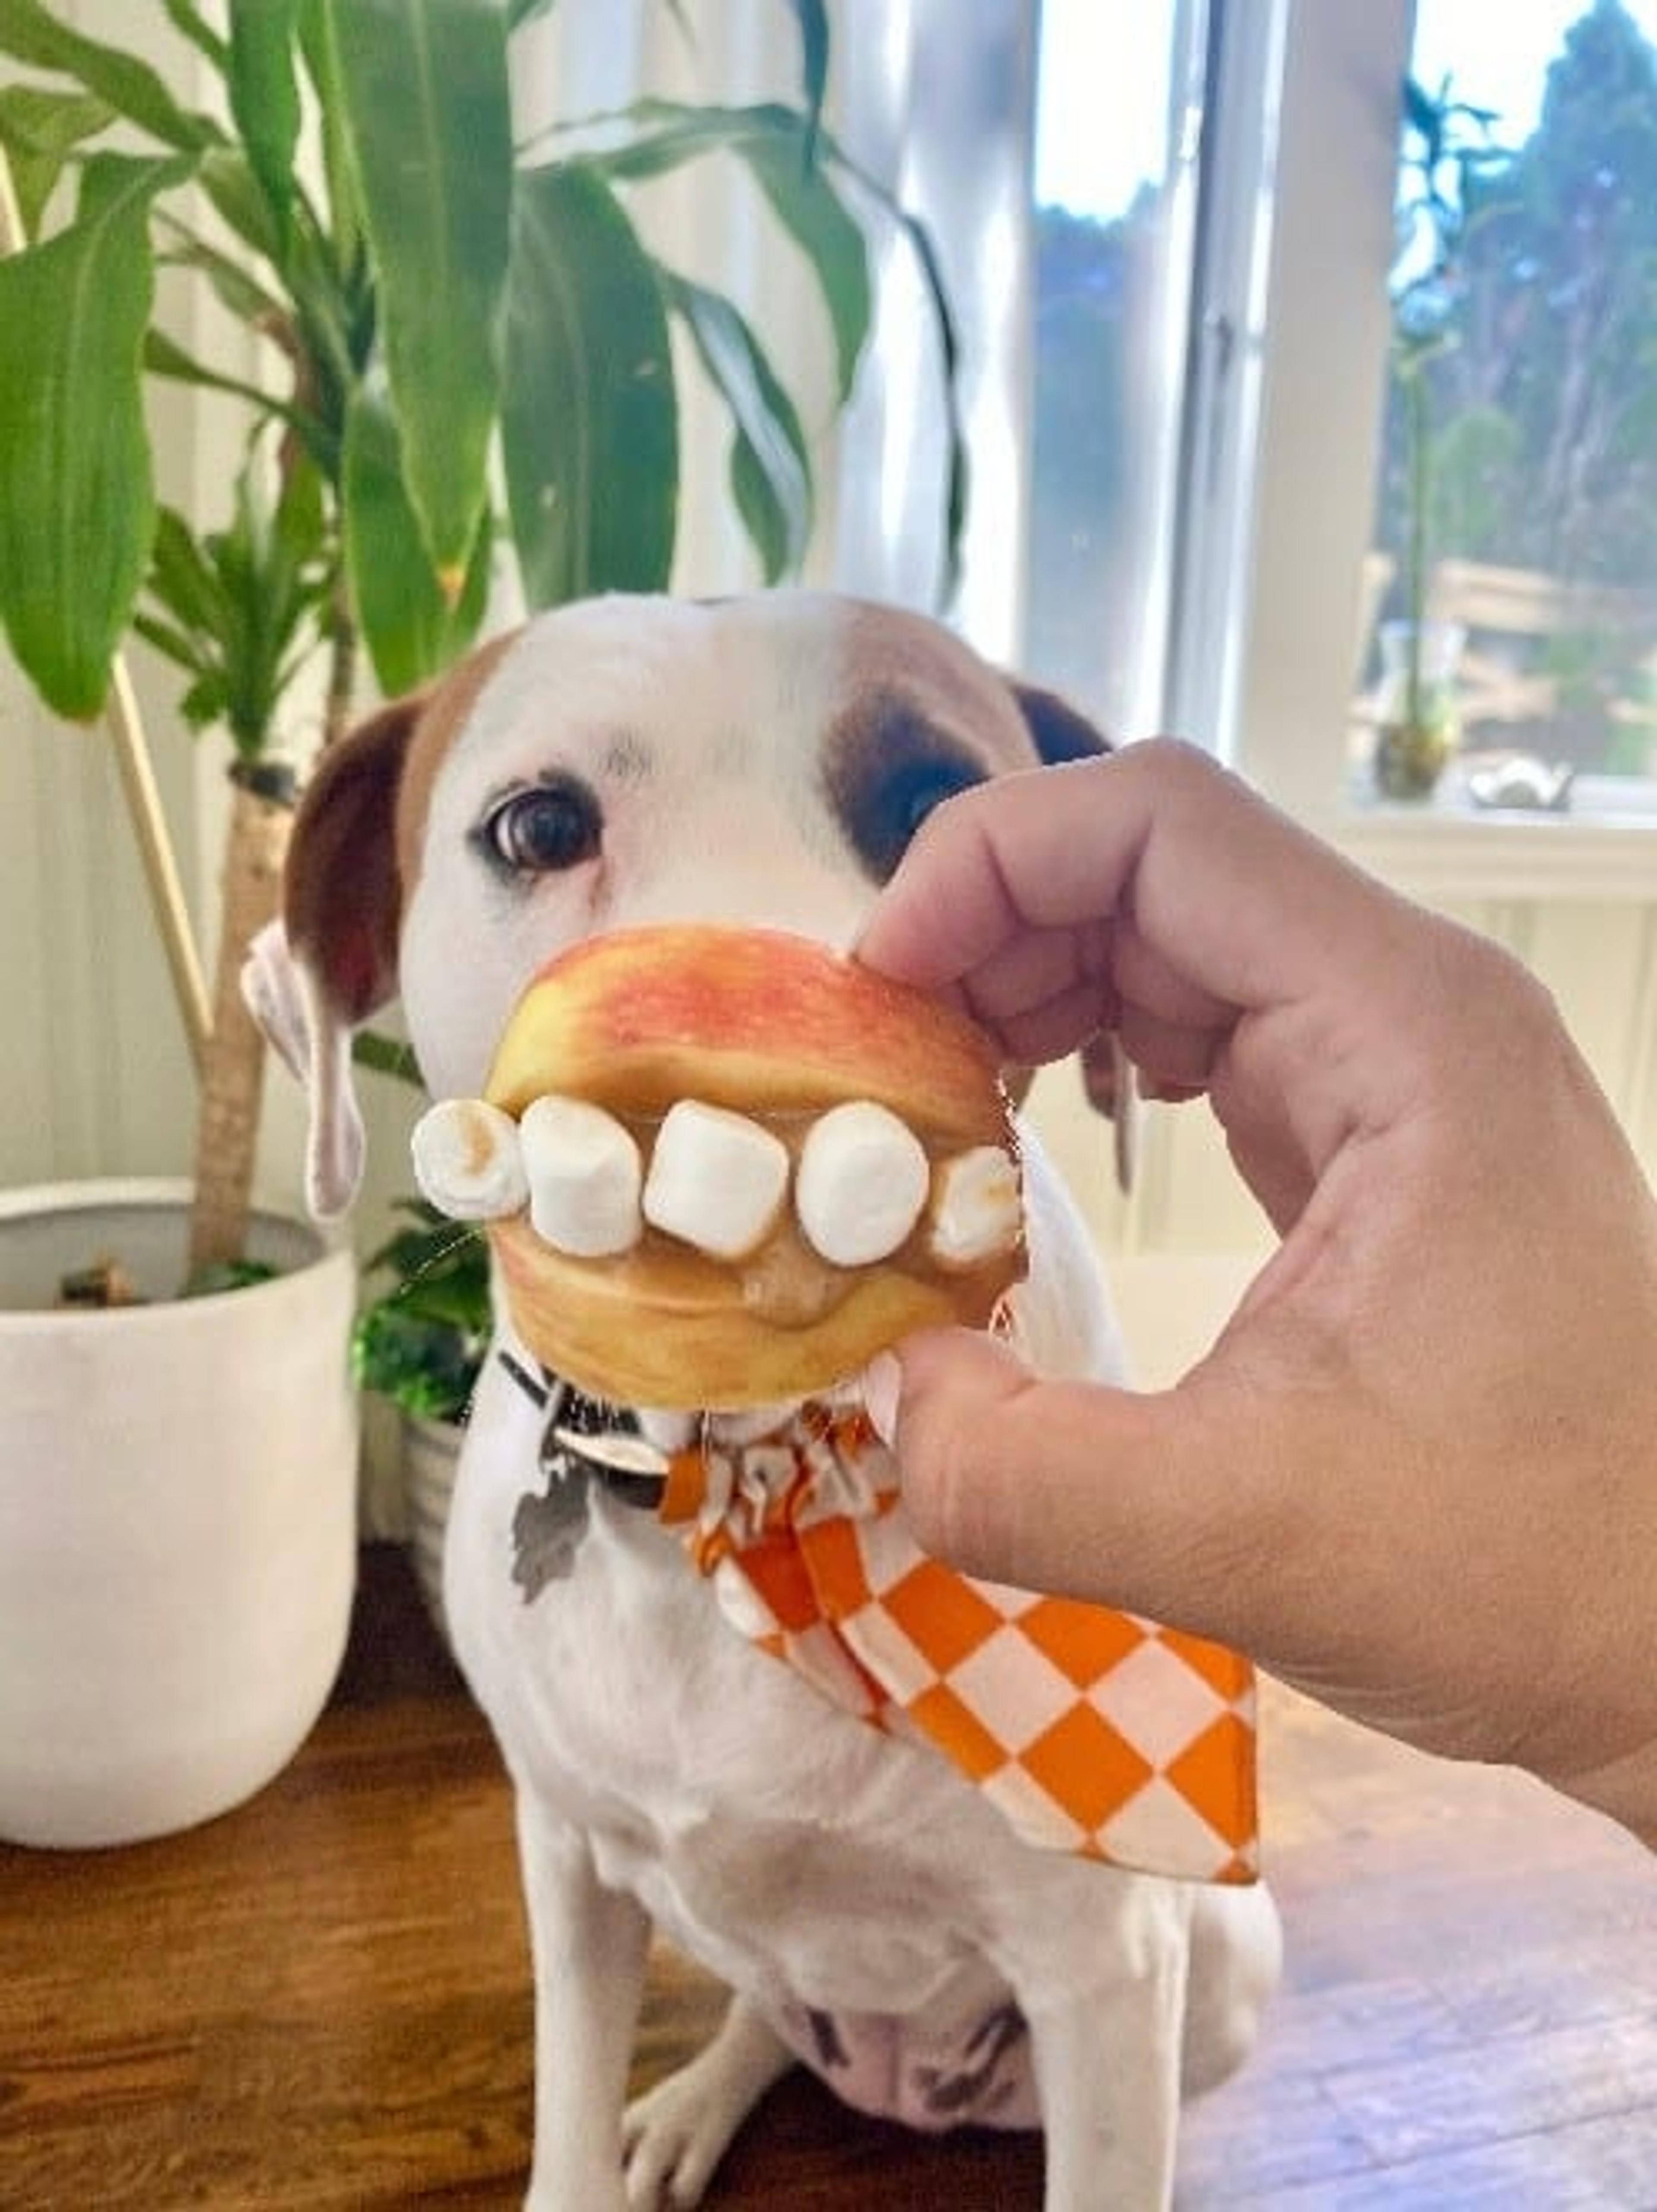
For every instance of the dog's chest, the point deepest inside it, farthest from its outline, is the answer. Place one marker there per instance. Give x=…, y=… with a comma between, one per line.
x=792, y=1847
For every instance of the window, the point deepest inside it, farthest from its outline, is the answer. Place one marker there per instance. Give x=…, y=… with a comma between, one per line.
x=1211, y=188
x=1262, y=519
x=1119, y=87
x=1516, y=521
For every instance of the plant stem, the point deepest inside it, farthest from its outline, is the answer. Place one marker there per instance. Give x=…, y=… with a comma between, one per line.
x=160, y=866
x=342, y=665
x=228, y=1124
x=1420, y=487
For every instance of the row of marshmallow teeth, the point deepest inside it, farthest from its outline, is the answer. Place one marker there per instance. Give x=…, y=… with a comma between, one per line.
x=716, y=1179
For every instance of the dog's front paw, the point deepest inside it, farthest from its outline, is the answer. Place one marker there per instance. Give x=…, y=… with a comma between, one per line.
x=675, y=2134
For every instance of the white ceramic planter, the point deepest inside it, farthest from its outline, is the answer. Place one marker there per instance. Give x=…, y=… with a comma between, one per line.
x=178, y=1518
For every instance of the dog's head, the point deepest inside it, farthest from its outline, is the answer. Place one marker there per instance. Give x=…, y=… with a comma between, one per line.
x=622, y=761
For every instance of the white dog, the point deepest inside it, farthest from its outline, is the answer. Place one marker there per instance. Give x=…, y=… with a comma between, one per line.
x=762, y=761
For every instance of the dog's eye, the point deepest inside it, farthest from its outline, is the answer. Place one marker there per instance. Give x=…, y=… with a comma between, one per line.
x=894, y=806
x=546, y=828
x=887, y=765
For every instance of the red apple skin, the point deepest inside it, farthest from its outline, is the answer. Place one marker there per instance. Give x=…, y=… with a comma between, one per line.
x=758, y=1020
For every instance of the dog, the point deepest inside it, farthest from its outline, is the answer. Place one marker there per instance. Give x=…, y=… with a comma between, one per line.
x=764, y=761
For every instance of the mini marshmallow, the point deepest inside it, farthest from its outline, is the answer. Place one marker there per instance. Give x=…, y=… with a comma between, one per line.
x=976, y=1211
x=466, y=1160
x=716, y=1179
x=584, y=1173
x=863, y=1179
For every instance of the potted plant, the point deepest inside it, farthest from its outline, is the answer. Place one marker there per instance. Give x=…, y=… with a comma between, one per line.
x=351, y=191
x=1448, y=152
x=419, y=1342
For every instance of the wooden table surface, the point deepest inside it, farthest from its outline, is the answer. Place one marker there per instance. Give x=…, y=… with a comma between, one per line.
x=321, y=2000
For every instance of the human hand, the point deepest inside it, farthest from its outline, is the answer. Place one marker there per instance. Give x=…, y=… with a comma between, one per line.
x=1416, y=1476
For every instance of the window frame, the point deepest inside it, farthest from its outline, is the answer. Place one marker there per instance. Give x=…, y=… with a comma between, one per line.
x=1308, y=178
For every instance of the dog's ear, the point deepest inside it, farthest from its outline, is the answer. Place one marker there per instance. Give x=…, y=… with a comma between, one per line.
x=342, y=891
x=1062, y=732
x=331, y=961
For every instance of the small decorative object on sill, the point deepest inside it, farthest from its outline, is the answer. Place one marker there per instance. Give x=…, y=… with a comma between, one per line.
x=1520, y=782
x=1417, y=716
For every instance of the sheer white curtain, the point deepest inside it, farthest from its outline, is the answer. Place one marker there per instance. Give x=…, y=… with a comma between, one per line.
x=938, y=101
x=933, y=99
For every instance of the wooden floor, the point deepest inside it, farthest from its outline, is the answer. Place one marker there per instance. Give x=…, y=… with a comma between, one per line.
x=321, y=2000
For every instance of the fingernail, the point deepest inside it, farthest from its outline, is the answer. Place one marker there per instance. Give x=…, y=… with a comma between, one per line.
x=883, y=1380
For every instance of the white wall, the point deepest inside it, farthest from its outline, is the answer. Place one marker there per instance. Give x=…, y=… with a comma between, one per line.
x=1598, y=954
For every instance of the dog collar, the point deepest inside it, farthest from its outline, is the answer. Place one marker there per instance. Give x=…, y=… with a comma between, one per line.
x=591, y=1436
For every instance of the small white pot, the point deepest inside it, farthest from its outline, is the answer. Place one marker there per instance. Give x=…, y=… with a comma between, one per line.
x=431, y=1452
x=178, y=1517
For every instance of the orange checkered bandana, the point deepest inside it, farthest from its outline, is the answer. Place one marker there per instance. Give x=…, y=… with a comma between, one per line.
x=1092, y=1731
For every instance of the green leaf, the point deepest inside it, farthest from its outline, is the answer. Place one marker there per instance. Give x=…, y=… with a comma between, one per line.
x=163, y=356
x=191, y=24
x=811, y=211
x=234, y=285
x=788, y=158
x=958, y=480
x=411, y=627
x=428, y=1368
x=422, y=1341
x=228, y=182
x=75, y=479
x=316, y=46
x=590, y=419
x=264, y=95
x=183, y=580
x=167, y=638
x=425, y=98
x=39, y=129
x=812, y=18
x=31, y=33
x=770, y=464
x=387, y=1055
x=234, y=607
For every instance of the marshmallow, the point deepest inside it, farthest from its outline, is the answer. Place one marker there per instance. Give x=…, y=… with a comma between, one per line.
x=466, y=1160
x=976, y=1211
x=863, y=1179
x=716, y=1179
x=584, y=1174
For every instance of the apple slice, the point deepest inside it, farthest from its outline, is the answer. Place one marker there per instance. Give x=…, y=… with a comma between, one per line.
x=856, y=1091
x=755, y=1020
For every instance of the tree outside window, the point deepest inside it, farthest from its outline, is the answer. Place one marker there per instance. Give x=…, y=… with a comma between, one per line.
x=1541, y=523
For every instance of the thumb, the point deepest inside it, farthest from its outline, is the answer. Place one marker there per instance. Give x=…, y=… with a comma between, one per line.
x=1074, y=1489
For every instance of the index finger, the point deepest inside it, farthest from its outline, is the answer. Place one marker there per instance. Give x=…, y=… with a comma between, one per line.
x=1226, y=894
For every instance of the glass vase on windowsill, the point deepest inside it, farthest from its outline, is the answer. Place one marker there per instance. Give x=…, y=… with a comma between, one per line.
x=1417, y=713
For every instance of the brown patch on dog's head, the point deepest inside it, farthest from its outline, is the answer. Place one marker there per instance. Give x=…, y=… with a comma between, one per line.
x=355, y=855
x=928, y=720
x=1061, y=732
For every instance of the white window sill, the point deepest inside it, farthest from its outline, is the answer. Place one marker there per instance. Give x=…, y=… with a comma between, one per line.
x=1443, y=850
